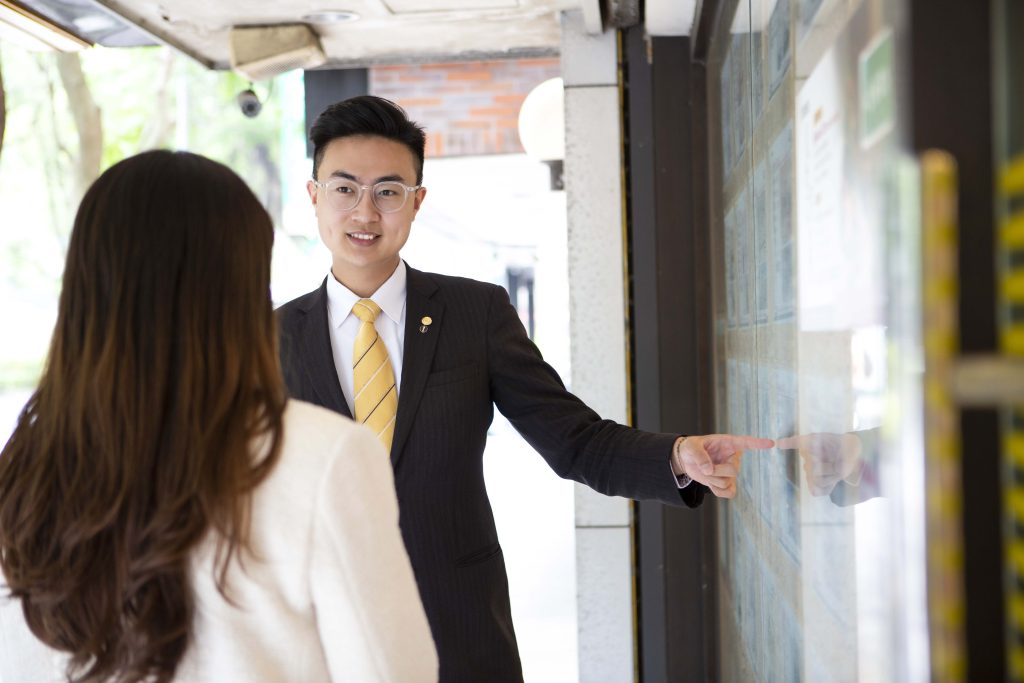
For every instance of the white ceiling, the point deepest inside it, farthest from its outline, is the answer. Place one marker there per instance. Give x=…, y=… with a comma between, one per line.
x=388, y=31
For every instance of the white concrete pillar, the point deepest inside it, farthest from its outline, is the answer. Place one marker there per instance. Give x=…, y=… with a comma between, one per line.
x=598, y=332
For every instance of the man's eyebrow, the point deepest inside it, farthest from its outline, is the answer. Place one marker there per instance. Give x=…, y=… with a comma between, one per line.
x=394, y=177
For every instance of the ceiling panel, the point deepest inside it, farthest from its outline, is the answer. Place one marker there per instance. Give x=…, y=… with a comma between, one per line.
x=387, y=31
x=398, y=6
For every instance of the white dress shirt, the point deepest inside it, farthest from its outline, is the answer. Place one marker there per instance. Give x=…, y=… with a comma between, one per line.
x=390, y=325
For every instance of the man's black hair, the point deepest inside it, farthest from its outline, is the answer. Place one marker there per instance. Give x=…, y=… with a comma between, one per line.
x=367, y=115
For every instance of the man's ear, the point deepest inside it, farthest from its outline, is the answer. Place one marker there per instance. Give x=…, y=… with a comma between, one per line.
x=311, y=188
x=418, y=198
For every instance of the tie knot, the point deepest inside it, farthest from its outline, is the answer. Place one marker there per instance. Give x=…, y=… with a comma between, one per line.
x=366, y=310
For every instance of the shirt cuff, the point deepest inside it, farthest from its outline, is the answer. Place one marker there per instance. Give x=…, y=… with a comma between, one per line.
x=683, y=480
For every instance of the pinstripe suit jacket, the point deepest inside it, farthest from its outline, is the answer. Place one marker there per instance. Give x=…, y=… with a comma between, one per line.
x=474, y=356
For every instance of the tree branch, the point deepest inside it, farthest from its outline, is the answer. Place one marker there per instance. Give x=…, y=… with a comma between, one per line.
x=158, y=126
x=87, y=119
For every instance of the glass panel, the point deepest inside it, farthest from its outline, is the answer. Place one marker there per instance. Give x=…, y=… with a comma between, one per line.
x=814, y=209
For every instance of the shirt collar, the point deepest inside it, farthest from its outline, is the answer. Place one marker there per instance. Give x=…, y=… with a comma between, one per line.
x=390, y=296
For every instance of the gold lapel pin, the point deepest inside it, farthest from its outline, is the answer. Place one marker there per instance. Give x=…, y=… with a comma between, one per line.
x=425, y=323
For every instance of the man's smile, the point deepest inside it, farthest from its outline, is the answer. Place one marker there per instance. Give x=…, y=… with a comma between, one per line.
x=363, y=237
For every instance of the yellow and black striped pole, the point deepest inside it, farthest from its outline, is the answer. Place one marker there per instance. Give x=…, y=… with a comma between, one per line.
x=1011, y=260
x=944, y=511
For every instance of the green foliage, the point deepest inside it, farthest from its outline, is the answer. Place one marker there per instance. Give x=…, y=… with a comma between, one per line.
x=20, y=374
x=149, y=98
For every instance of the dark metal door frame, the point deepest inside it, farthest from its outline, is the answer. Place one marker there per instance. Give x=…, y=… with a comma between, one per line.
x=665, y=152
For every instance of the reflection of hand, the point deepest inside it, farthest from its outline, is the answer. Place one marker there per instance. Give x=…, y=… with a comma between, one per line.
x=828, y=458
x=714, y=460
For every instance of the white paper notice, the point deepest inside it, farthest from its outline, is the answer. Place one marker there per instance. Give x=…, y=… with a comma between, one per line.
x=838, y=261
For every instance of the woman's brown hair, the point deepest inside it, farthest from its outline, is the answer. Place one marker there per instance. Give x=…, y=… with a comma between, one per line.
x=158, y=412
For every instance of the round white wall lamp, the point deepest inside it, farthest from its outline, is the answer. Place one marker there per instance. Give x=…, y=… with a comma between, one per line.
x=542, y=127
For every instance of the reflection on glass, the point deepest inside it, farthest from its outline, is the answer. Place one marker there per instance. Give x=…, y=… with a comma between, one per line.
x=808, y=11
x=735, y=93
x=841, y=466
x=778, y=45
x=780, y=161
x=817, y=552
x=761, y=234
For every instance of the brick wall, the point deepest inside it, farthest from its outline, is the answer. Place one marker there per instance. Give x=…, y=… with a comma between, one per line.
x=467, y=108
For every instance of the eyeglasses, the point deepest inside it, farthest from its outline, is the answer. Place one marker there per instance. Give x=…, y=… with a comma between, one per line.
x=344, y=194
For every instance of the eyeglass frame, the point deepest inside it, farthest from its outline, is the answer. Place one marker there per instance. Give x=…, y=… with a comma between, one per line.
x=359, y=197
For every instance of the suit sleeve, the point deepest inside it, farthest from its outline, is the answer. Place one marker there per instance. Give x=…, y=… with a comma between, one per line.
x=369, y=615
x=869, y=486
x=608, y=457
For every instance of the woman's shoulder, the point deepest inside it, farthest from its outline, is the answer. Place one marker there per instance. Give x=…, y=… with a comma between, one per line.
x=327, y=454
x=317, y=446
x=319, y=432
x=307, y=415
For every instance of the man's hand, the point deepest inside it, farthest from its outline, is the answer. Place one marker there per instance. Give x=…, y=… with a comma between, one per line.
x=714, y=460
x=828, y=458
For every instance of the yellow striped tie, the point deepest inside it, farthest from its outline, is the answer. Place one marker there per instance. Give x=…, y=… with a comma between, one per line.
x=376, y=396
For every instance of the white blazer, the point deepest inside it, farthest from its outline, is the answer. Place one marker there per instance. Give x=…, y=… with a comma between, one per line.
x=328, y=594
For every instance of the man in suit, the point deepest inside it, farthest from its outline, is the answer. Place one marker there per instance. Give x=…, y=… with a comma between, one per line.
x=455, y=348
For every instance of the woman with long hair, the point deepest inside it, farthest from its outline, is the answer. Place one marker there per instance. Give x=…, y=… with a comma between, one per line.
x=165, y=512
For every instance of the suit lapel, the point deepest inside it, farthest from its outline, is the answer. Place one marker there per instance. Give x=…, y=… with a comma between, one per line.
x=318, y=357
x=418, y=354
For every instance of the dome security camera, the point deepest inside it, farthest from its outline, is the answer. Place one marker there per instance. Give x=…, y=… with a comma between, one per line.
x=249, y=103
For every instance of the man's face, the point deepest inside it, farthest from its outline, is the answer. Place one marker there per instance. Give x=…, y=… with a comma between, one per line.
x=364, y=241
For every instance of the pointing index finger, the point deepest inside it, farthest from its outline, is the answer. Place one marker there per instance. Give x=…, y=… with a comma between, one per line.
x=752, y=443
x=788, y=443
